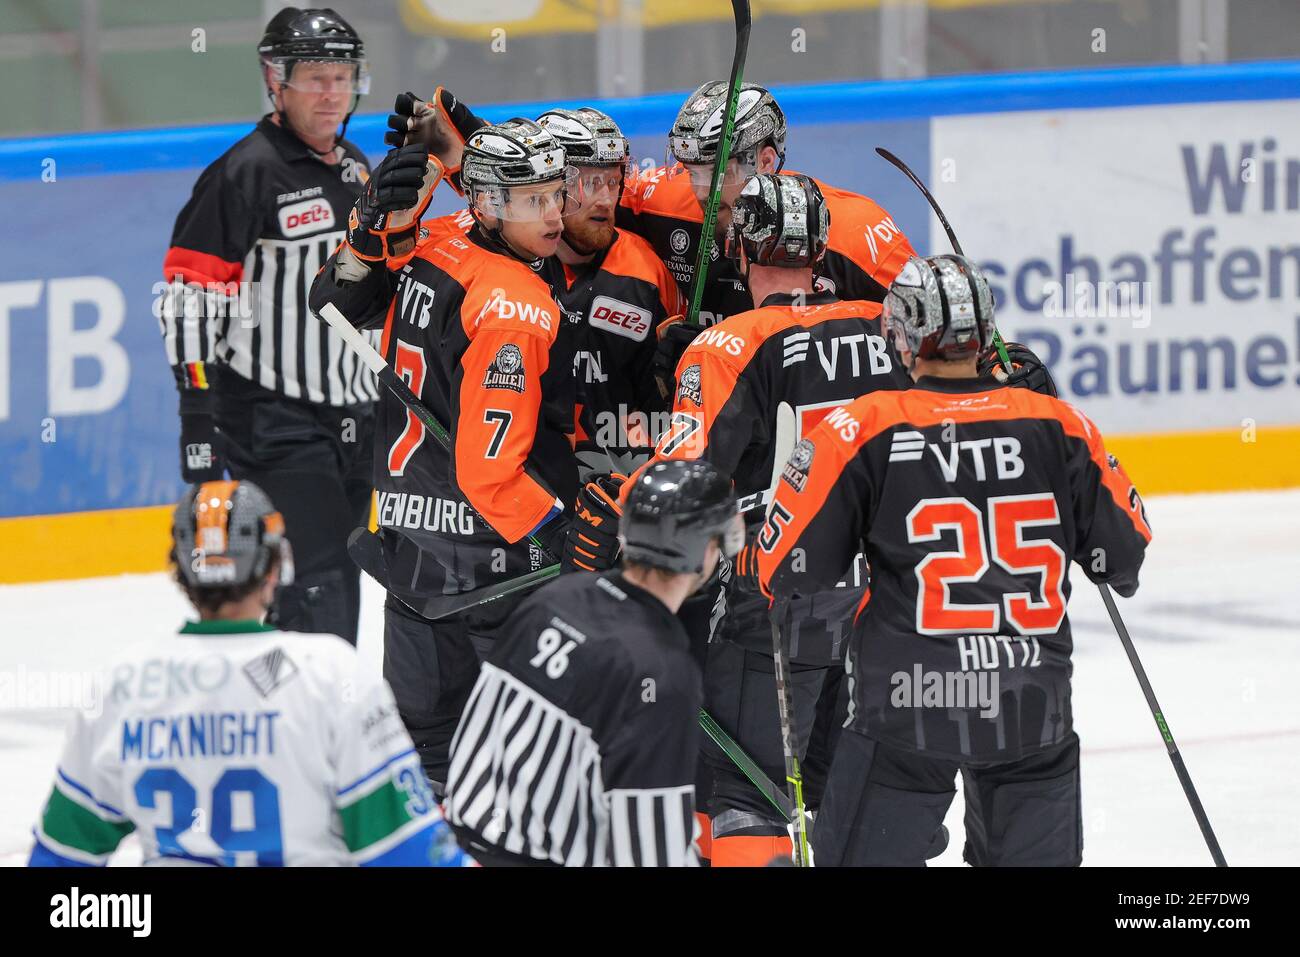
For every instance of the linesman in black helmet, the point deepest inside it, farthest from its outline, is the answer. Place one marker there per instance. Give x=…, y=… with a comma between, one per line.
x=267, y=392
x=578, y=743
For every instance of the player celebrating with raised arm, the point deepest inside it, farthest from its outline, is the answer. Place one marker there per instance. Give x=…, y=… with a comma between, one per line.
x=970, y=499
x=477, y=335
x=578, y=745
x=749, y=388
x=266, y=392
x=608, y=281
x=235, y=743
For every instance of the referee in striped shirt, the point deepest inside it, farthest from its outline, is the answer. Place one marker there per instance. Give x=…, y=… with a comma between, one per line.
x=268, y=392
x=578, y=744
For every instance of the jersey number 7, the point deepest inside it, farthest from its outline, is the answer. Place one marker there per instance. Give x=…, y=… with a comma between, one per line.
x=1008, y=517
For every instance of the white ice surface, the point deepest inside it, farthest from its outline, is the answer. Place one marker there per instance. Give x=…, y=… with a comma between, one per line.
x=1216, y=622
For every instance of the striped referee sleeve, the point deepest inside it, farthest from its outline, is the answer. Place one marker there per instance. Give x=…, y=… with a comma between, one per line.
x=653, y=827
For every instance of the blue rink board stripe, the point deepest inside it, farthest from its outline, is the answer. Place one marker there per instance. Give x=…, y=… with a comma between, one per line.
x=92, y=154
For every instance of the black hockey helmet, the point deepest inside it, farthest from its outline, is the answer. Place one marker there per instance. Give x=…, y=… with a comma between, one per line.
x=314, y=34
x=939, y=307
x=779, y=220
x=224, y=534
x=672, y=513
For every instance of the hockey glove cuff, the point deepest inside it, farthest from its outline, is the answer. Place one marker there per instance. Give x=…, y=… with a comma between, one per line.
x=592, y=544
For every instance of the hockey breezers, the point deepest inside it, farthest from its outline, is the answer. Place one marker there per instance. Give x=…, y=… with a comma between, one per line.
x=1175, y=757
x=739, y=10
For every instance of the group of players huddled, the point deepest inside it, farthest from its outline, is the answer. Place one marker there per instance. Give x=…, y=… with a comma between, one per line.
x=837, y=452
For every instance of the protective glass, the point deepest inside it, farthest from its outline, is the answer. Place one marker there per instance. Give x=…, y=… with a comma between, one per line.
x=357, y=82
x=739, y=169
x=594, y=183
x=533, y=203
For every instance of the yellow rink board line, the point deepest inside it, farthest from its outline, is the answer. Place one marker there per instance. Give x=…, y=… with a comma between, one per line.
x=135, y=540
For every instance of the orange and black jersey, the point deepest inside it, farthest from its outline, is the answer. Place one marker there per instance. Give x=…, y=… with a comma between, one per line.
x=866, y=248
x=759, y=381
x=477, y=336
x=612, y=307
x=618, y=299
x=970, y=500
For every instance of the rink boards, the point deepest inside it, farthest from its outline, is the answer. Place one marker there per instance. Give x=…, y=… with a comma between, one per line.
x=1139, y=228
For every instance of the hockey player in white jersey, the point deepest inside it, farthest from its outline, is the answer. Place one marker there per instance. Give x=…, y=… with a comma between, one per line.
x=234, y=743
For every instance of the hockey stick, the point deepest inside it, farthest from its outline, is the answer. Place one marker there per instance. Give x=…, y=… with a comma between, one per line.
x=362, y=547
x=765, y=785
x=397, y=385
x=1174, y=756
x=952, y=238
x=740, y=10
x=783, y=443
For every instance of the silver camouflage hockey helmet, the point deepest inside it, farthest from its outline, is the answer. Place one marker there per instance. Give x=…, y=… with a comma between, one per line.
x=697, y=131
x=939, y=307
x=589, y=137
x=224, y=534
x=517, y=152
x=779, y=220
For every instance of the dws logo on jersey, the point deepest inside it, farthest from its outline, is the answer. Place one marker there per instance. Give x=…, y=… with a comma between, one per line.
x=796, y=346
x=309, y=216
x=621, y=318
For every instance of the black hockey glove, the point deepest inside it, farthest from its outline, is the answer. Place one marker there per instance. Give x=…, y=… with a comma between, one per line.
x=552, y=536
x=1027, y=370
x=385, y=221
x=674, y=338
x=592, y=545
x=201, y=458
x=744, y=571
x=442, y=124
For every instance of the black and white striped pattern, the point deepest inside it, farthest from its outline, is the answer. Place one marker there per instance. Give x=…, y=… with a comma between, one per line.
x=268, y=335
x=526, y=777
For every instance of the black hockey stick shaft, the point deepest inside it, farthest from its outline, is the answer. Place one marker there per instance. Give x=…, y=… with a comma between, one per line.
x=1171, y=746
x=952, y=237
x=790, y=741
x=395, y=384
x=703, y=254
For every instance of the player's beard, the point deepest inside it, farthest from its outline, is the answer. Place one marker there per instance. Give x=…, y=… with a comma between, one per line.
x=585, y=237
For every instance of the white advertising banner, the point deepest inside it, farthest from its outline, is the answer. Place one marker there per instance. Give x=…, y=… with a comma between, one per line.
x=1151, y=255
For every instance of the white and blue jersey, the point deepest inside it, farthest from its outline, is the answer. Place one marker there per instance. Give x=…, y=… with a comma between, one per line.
x=237, y=744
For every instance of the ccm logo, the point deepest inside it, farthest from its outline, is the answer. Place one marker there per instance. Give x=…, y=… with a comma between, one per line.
x=619, y=318
x=309, y=216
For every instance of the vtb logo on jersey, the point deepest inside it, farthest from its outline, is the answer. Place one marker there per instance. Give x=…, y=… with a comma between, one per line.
x=506, y=370
x=416, y=300
x=910, y=446
x=850, y=350
x=309, y=216
x=621, y=318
